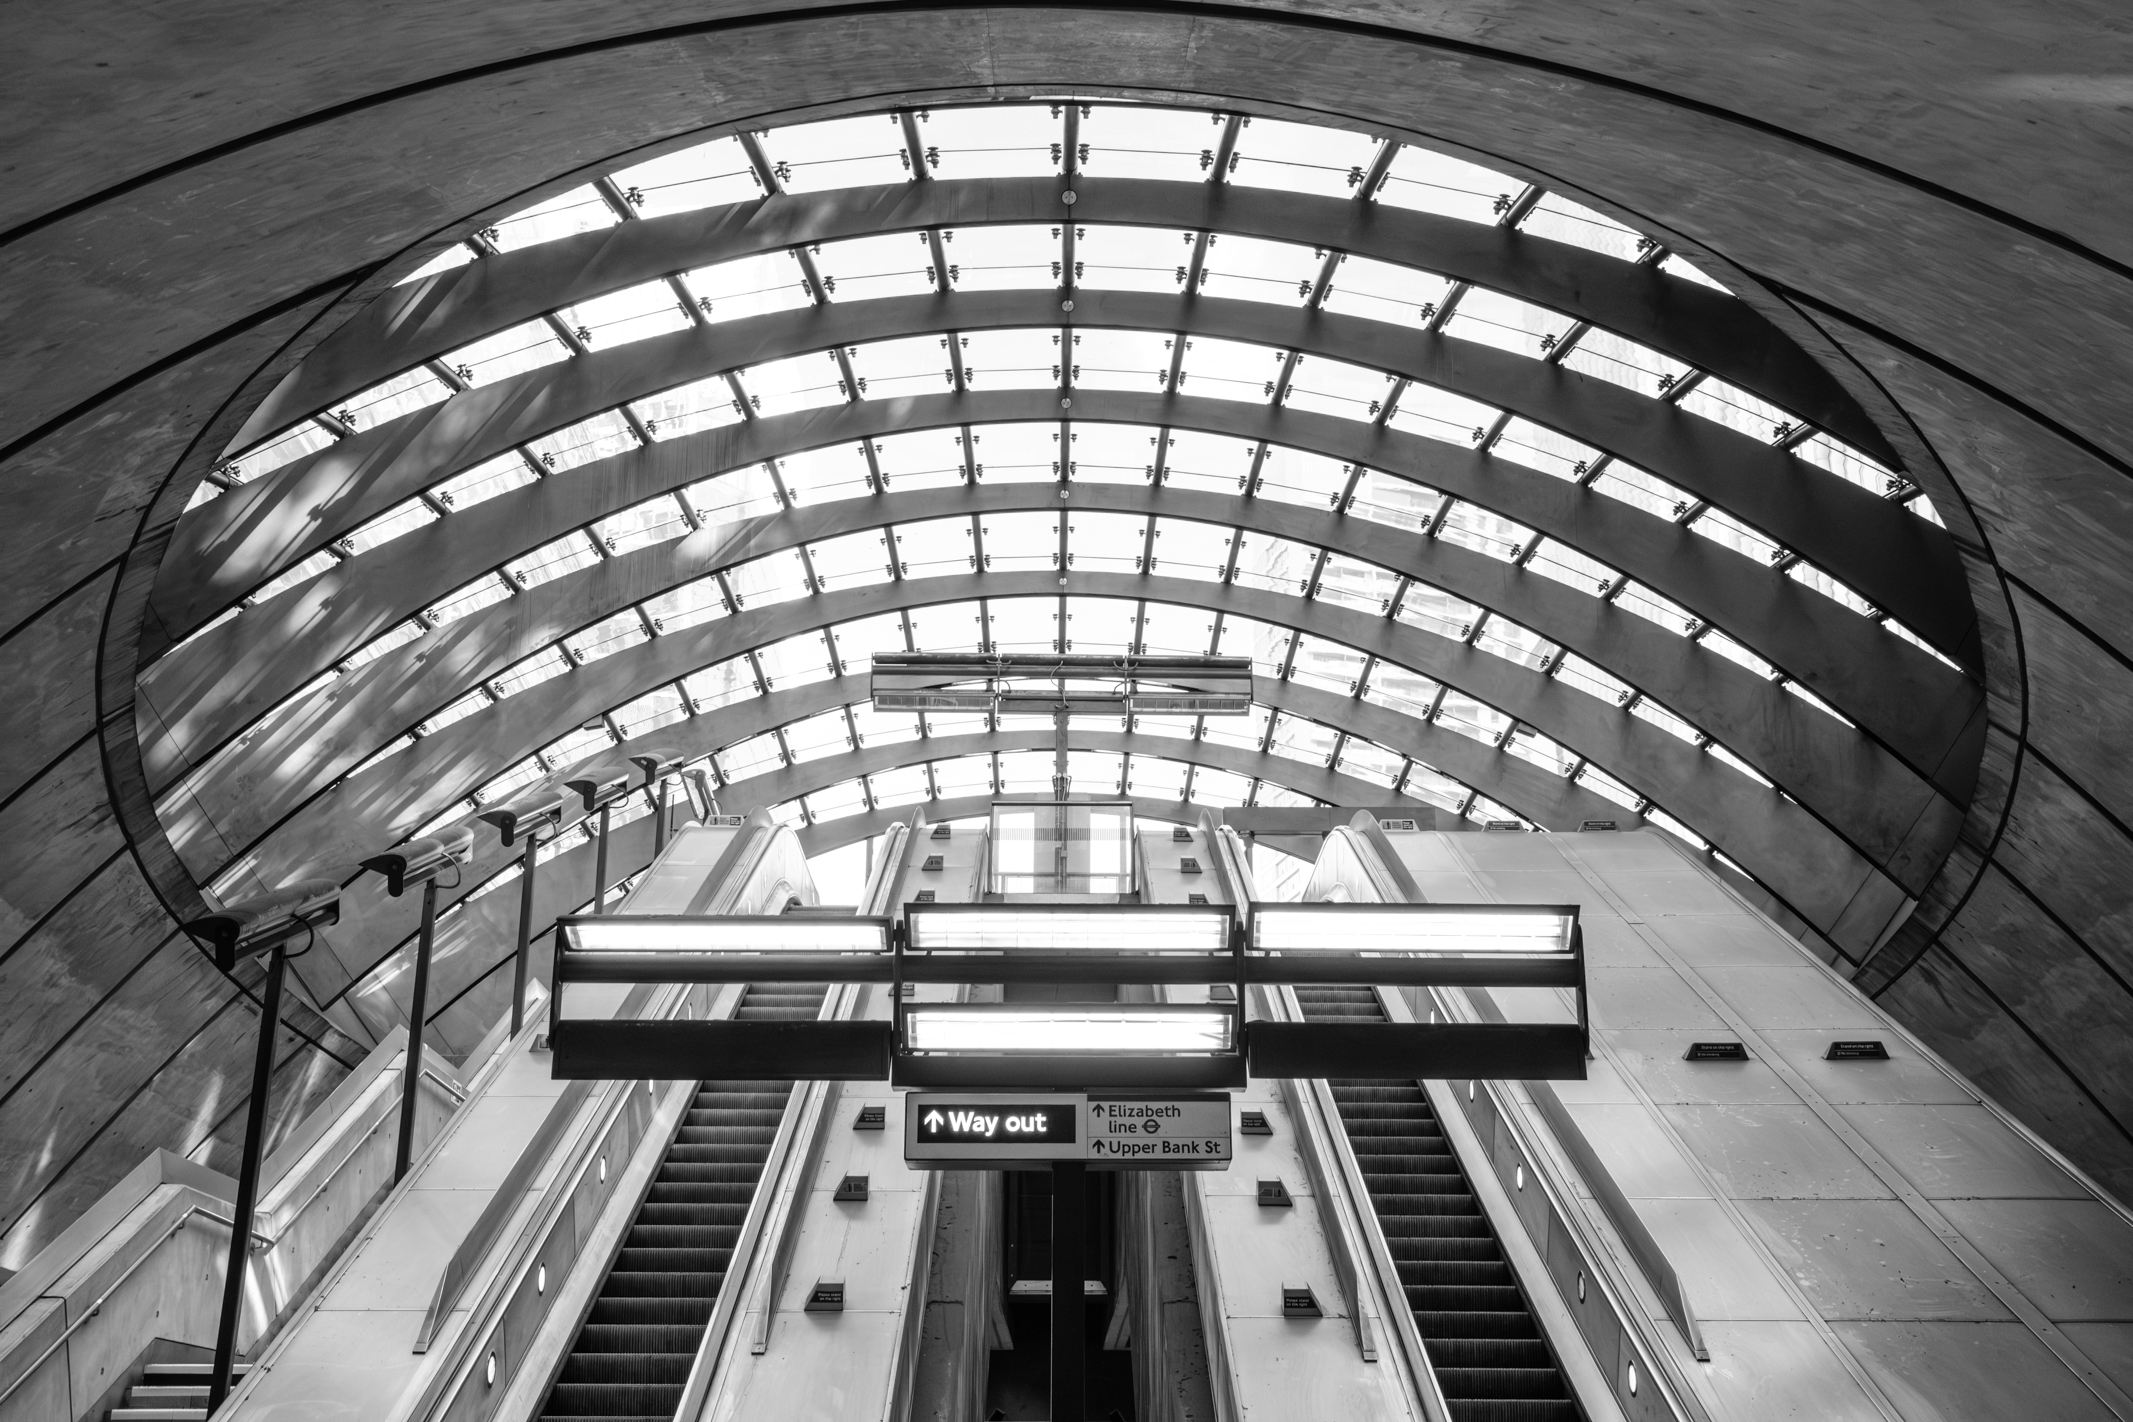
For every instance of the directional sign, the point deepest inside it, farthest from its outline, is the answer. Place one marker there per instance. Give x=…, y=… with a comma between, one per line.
x=1111, y=1130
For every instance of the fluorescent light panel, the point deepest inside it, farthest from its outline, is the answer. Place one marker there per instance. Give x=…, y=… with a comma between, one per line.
x=1050, y=928
x=622, y=933
x=1408, y=928
x=1068, y=1029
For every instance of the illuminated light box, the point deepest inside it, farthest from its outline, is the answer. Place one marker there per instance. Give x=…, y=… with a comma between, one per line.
x=648, y=933
x=1461, y=929
x=1064, y=928
x=1068, y=1029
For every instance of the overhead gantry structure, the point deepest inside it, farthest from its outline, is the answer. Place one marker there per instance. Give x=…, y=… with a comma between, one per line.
x=1519, y=516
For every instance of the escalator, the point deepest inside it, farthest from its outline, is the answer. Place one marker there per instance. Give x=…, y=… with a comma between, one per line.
x=632, y=1356
x=1486, y=1348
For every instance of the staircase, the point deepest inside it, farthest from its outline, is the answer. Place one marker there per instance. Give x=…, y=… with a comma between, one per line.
x=1491, y=1360
x=169, y=1392
x=633, y=1355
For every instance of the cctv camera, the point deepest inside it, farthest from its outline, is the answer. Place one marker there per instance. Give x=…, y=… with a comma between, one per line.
x=422, y=859
x=255, y=925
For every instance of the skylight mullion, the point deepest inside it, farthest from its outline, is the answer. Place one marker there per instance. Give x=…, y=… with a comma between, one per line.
x=1392, y=403
x=1560, y=346
x=1280, y=393
x=613, y=196
x=808, y=274
x=1225, y=152
x=1321, y=287
x=766, y=173
x=741, y=400
x=1374, y=176
x=915, y=154
x=1520, y=207
x=1347, y=493
x=570, y=338
x=1318, y=571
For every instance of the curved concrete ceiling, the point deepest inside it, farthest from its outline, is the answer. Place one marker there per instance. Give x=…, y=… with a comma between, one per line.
x=200, y=245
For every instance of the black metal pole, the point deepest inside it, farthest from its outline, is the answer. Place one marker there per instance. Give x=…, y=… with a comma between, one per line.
x=600, y=867
x=659, y=826
x=525, y=936
x=411, y=1076
x=1070, y=1309
x=255, y=1130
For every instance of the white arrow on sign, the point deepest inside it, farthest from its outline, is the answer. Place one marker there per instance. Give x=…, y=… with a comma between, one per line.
x=933, y=1120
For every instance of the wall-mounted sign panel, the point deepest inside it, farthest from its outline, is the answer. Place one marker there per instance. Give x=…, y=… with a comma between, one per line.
x=1115, y=1130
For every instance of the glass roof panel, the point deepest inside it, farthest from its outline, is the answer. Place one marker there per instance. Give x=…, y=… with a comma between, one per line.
x=824, y=475
x=1112, y=454
x=1473, y=719
x=1246, y=732
x=1734, y=652
x=799, y=660
x=1105, y=542
x=992, y=140
x=884, y=728
x=814, y=737
x=606, y=637
x=1514, y=643
x=1435, y=610
x=1624, y=362
x=801, y=382
x=1474, y=527
x=1736, y=409
x=747, y=492
x=836, y=802
x=1151, y=778
x=750, y=757
x=1133, y=142
x=1329, y=666
x=1176, y=728
x=1437, y=182
x=1252, y=269
x=1229, y=370
x=1716, y=525
x=1273, y=796
x=1829, y=587
x=1561, y=220
x=1645, y=491
x=768, y=580
x=1847, y=463
x=653, y=521
x=686, y=606
x=1648, y=710
x=700, y=405
x=1506, y=322
x=707, y=175
x=579, y=210
x=484, y=481
x=838, y=153
x=399, y=519
x=1676, y=265
x=1020, y=542
x=1663, y=612
x=945, y=627
x=1117, y=258
x=1373, y=763
x=855, y=560
x=1016, y=454
x=905, y=785
x=1567, y=565
x=286, y=448
x=1274, y=564
x=455, y=256
x=1536, y=447
x=403, y=394
x=721, y=684
x=1190, y=550
x=869, y=268
x=1433, y=786
x=934, y=548
x=1381, y=291
x=1593, y=680
x=301, y=572
x=1265, y=644
x=1295, y=477
x=1530, y=745
x=553, y=560
x=1025, y=772
x=1171, y=630
x=1012, y=360
x=391, y=640
x=1304, y=158
x=1219, y=789
x=1350, y=582
x=1299, y=739
x=963, y=775
x=1398, y=689
x=655, y=710
x=942, y=723
x=1101, y=626
x=1095, y=772
x=1007, y=257
x=604, y=435
x=527, y=346
x=915, y=365
x=1393, y=501
x=632, y=314
x=1218, y=464
x=921, y=459
x=857, y=642
x=1439, y=414
x=1334, y=387
x=749, y=286
x=458, y=711
x=1602, y=784
x=1121, y=360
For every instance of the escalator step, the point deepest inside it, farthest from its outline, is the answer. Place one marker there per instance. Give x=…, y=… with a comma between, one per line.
x=632, y=1355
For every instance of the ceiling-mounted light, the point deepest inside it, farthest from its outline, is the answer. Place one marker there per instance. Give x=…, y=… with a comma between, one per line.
x=1063, y=928
x=1068, y=1029
x=645, y=933
x=1411, y=928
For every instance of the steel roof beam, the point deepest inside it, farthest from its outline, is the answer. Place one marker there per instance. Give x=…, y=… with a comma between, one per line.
x=225, y=548
x=1709, y=329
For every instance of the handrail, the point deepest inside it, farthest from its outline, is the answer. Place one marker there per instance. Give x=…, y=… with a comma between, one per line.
x=502, y=1205
x=259, y=1242
x=1650, y=1257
